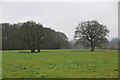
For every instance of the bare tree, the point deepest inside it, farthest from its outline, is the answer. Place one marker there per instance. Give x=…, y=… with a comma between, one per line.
x=91, y=33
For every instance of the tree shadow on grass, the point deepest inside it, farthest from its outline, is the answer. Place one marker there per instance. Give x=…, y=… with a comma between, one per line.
x=27, y=52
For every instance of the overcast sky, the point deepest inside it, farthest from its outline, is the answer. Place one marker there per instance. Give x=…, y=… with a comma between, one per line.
x=63, y=16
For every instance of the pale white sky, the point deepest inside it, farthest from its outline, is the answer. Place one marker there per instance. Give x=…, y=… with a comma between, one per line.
x=63, y=16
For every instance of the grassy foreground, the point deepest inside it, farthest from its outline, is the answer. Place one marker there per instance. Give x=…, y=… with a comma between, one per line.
x=60, y=64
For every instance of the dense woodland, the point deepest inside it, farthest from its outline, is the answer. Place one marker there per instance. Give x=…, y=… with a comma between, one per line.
x=32, y=35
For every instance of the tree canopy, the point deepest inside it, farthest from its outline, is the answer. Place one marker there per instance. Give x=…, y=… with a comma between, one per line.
x=91, y=34
x=31, y=35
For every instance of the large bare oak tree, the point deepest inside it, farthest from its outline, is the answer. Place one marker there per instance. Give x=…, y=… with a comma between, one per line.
x=91, y=33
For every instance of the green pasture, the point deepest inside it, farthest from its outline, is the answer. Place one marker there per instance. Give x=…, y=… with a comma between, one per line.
x=60, y=64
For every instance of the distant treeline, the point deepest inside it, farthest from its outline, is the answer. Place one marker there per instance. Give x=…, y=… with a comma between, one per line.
x=113, y=44
x=32, y=35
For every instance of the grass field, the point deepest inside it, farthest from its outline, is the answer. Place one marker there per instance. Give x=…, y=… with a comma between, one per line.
x=60, y=64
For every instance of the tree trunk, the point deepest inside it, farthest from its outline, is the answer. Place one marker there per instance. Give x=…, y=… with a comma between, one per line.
x=38, y=50
x=92, y=48
x=32, y=50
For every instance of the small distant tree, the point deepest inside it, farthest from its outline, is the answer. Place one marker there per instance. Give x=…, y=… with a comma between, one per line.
x=114, y=43
x=91, y=33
